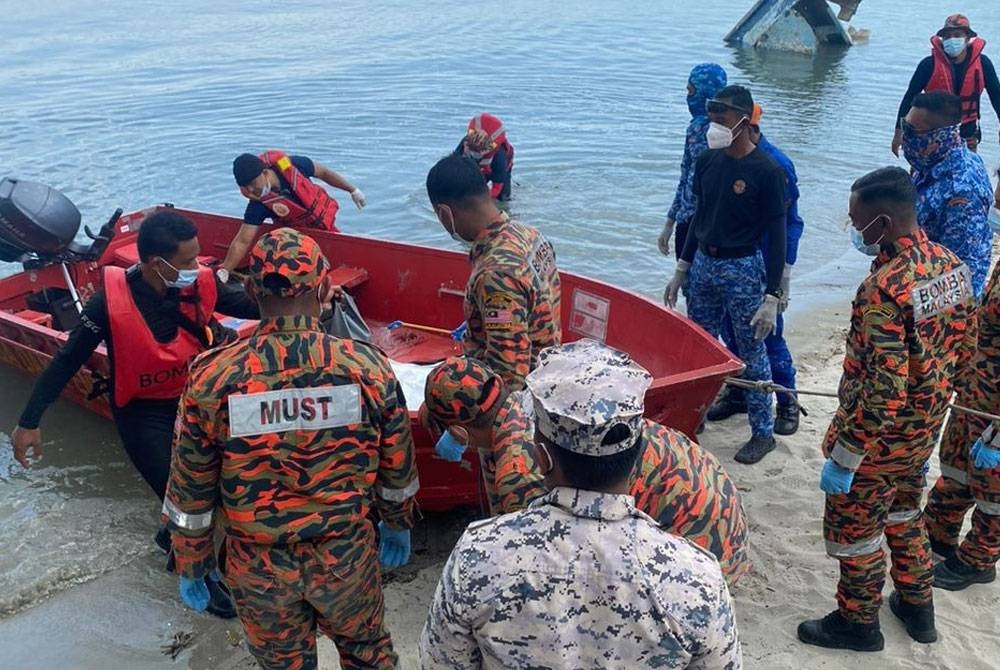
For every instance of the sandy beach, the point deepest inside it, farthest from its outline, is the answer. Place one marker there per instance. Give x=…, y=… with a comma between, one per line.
x=122, y=618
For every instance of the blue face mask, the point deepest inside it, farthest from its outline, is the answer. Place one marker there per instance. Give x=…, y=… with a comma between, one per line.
x=857, y=238
x=953, y=46
x=184, y=279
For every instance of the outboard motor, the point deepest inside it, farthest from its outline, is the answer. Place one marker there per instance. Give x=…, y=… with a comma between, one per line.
x=34, y=219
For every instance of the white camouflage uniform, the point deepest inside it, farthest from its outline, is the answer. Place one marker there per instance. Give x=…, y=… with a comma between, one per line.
x=580, y=579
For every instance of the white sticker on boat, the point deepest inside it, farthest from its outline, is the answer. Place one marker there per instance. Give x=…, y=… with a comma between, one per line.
x=294, y=409
x=935, y=295
x=589, y=315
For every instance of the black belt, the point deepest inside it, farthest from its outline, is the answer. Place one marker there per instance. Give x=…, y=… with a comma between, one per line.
x=727, y=252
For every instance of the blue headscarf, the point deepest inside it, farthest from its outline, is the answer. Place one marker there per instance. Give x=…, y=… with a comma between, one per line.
x=707, y=80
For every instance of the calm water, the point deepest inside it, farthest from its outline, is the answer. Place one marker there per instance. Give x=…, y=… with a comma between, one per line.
x=129, y=107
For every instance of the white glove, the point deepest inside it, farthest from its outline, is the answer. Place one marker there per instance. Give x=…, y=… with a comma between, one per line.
x=786, y=283
x=359, y=198
x=664, y=242
x=765, y=320
x=675, y=284
x=223, y=275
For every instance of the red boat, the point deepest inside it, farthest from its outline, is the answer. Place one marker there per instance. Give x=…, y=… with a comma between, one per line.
x=390, y=281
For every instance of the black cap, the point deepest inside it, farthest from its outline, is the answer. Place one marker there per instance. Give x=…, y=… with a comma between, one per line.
x=246, y=168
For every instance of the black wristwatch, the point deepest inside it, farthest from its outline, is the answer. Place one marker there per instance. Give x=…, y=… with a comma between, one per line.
x=777, y=293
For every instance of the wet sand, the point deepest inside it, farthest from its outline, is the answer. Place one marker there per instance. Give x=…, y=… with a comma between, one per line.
x=121, y=618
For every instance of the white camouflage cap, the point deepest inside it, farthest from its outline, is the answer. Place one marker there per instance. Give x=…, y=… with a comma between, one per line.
x=582, y=390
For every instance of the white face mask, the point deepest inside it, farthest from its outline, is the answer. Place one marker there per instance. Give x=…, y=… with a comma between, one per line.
x=265, y=189
x=721, y=137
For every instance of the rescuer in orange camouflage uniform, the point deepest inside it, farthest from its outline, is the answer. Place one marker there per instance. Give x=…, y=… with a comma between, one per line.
x=678, y=483
x=912, y=328
x=292, y=434
x=512, y=297
x=968, y=479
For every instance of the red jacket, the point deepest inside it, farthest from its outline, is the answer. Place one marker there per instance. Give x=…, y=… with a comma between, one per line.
x=973, y=84
x=312, y=206
x=144, y=367
x=493, y=127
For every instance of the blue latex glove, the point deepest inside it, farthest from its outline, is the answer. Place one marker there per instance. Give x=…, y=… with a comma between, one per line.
x=394, y=546
x=448, y=448
x=194, y=593
x=459, y=333
x=835, y=479
x=984, y=456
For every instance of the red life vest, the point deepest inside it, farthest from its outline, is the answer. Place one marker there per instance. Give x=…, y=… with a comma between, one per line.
x=494, y=128
x=144, y=367
x=973, y=84
x=312, y=206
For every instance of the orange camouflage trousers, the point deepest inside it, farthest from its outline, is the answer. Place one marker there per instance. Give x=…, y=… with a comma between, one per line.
x=854, y=523
x=284, y=593
x=960, y=487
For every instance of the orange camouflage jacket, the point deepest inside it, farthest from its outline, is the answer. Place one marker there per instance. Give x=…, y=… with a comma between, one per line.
x=290, y=435
x=913, y=328
x=512, y=299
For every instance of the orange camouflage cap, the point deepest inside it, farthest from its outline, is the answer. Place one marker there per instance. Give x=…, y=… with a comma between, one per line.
x=758, y=112
x=960, y=21
x=459, y=391
x=291, y=255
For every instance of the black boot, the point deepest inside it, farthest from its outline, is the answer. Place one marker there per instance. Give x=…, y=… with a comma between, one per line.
x=835, y=632
x=220, y=600
x=919, y=619
x=162, y=539
x=787, y=420
x=755, y=449
x=944, y=551
x=730, y=402
x=953, y=574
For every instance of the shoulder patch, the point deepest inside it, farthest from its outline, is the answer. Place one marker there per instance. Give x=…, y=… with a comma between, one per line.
x=957, y=201
x=940, y=293
x=880, y=309
x=498, y=311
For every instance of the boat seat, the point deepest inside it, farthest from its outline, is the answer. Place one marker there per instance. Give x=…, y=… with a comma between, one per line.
x=41, y=318
x=349, y=277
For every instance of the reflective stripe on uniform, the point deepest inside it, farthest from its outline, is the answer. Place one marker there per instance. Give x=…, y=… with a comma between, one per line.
x=184, y=520
x=398, y=495
x=987, y=507
x=902, y=516
x=862, y=548
x=845, y=457
x=959, y=476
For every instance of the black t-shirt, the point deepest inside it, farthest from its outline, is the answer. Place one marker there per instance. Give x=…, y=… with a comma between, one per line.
x=257, y=212
x=160, y=312
x=739, y=201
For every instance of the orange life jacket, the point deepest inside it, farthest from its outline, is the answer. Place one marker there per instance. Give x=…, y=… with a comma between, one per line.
x=144, y=367
x=942, y=79
x=312, y=206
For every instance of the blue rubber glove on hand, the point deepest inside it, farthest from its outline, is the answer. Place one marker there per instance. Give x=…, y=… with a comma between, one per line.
x=459, y=333
x=448, y=448
x=394, y=546
x=194, y=593
x=835, y=479
x=984, y=456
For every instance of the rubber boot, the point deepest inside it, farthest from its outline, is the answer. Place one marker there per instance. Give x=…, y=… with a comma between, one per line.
x=942, y=550
x=919, y=619
x=730, y=402
x=953, y=574
x=835, y=632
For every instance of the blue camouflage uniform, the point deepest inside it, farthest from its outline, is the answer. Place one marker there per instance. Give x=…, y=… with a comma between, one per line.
x=782, y=367
x=706, y=79
x=954, y=196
